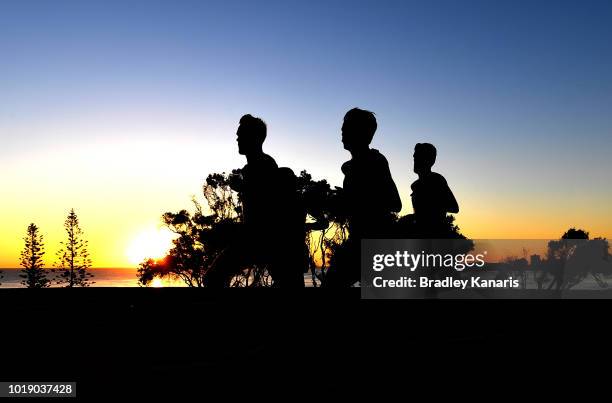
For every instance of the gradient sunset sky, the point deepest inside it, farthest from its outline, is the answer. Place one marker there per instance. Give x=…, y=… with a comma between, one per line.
x=120, y=109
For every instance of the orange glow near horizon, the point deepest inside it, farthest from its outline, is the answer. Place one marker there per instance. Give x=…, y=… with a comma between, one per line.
x=120, y=199
x=118, y=188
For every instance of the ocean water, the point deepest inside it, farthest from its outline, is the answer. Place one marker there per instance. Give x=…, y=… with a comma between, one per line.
x=103, y=278
x=123, y=277
x=126, y=277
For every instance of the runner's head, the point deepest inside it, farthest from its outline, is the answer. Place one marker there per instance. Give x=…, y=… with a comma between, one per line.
x=251, y=134
x=424, y=157
x=358, y=129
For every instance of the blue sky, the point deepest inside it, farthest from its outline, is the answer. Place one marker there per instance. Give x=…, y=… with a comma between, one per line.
x=516, y=95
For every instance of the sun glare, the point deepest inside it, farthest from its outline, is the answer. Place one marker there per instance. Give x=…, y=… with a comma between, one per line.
x=152, y=243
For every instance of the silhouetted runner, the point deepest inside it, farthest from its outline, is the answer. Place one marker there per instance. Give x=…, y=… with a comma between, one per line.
x=432, y=199
x=272, y=231
x=369, y=197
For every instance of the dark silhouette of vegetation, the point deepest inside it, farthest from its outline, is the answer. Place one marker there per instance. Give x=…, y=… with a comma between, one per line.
x=515, y=267
x=574, y=233
x=203, y=233
x=74, y=263
x=572, y=258
x=568, y=261
x=326, y=224
x=200, y=236
x=33, y=274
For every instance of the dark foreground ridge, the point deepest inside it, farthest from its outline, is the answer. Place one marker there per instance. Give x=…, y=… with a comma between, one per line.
x=175, y=341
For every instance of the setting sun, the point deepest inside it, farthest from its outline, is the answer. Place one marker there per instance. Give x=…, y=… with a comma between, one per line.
x=152, y=243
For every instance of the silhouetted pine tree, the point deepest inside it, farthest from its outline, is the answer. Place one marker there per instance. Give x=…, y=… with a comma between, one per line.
x=33, y=273
x=74, y=261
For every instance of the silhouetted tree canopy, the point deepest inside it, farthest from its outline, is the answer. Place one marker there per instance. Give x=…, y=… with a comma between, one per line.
x=204, y=232
x=574, y=233
x=33, y=273
x=570, y=259
x=201, y=235
x=74, y=262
